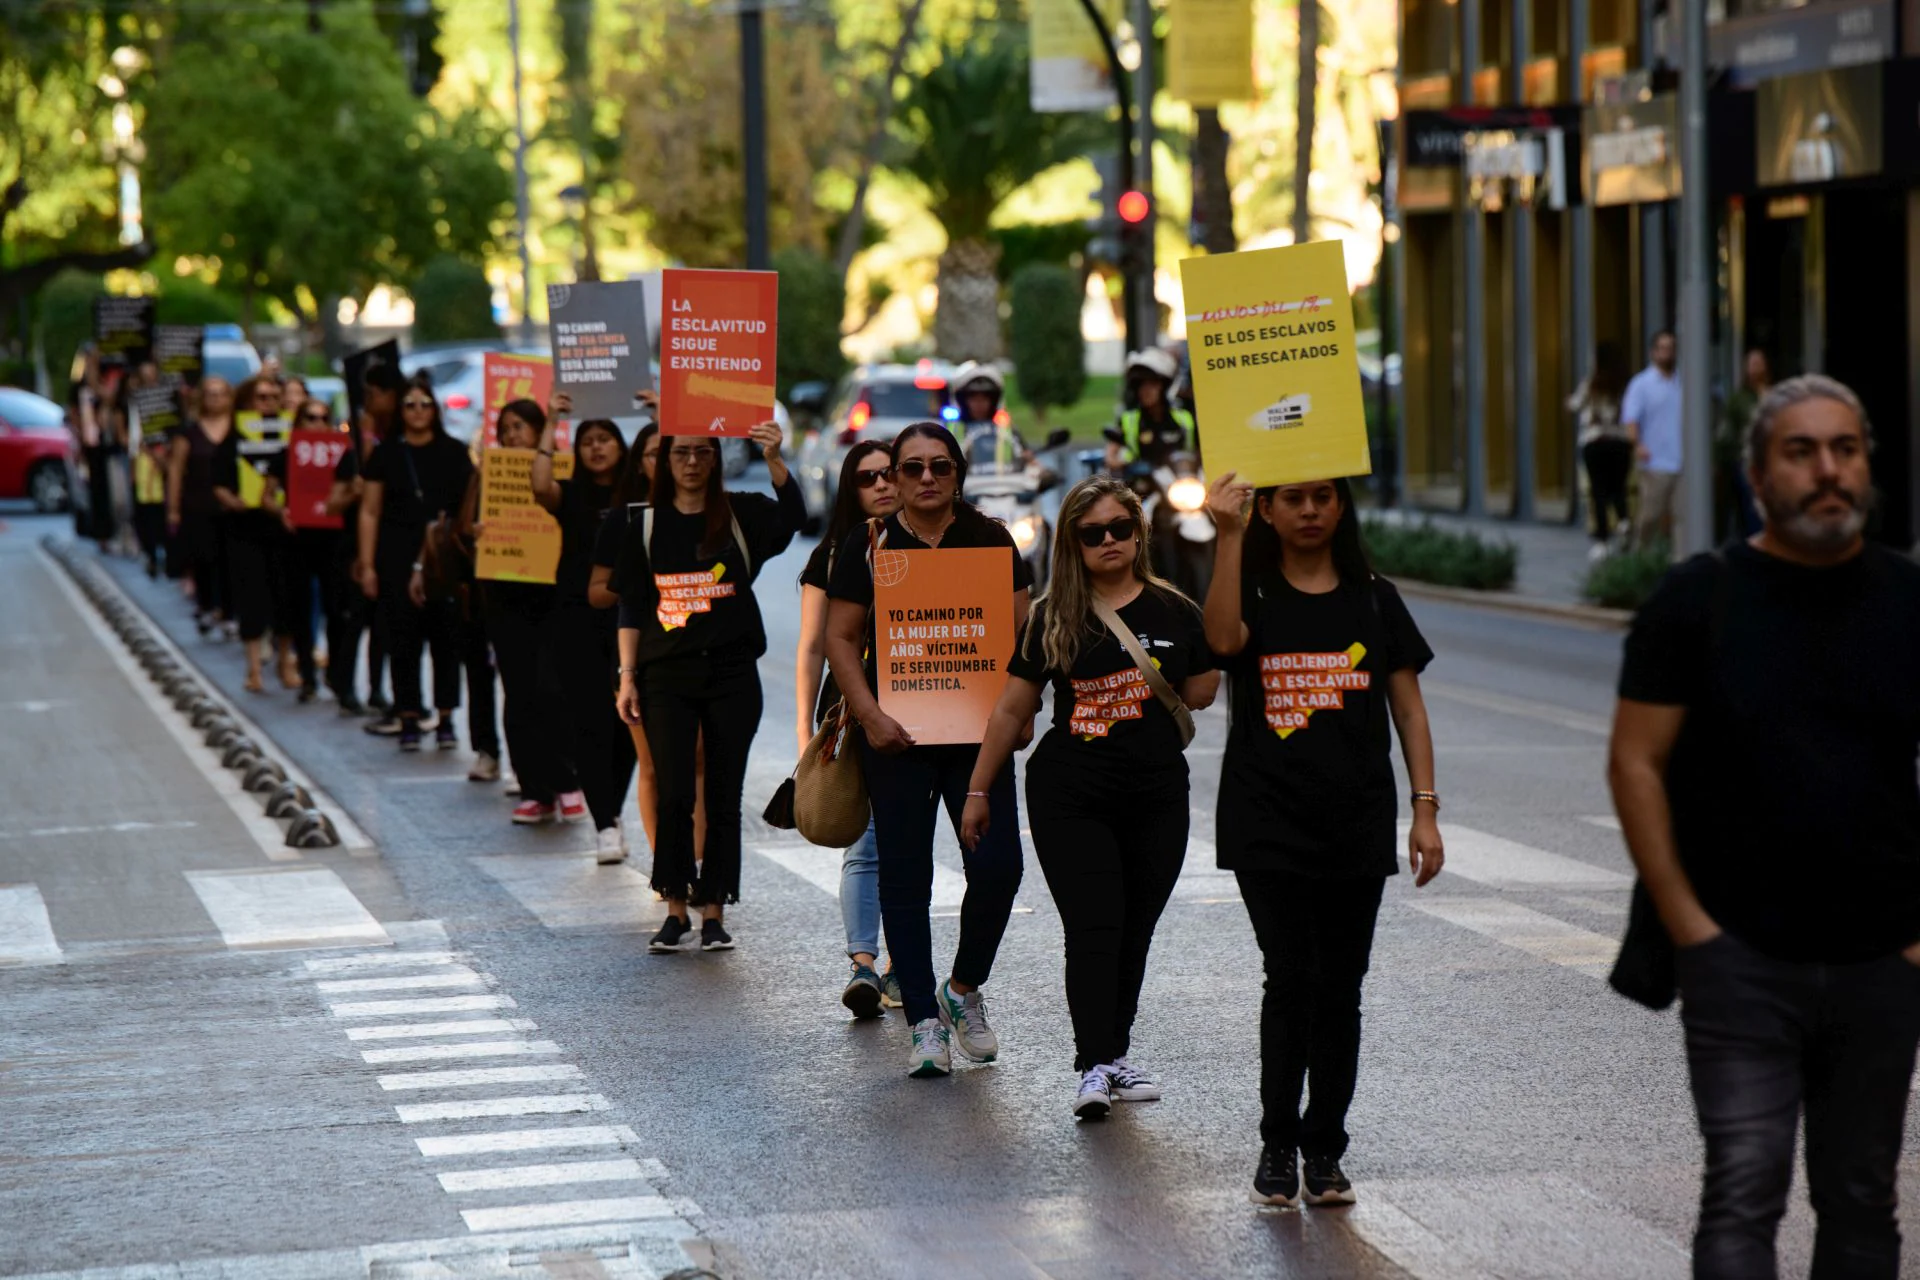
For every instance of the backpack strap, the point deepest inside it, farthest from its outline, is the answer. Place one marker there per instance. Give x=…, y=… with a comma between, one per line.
x=1182, y=716
x=740, y=540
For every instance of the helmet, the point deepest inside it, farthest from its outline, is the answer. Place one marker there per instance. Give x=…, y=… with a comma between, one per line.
x=1154, y=363
x=976, y=371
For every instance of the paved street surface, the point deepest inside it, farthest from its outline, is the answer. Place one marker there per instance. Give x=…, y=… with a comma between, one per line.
x=442, y=1050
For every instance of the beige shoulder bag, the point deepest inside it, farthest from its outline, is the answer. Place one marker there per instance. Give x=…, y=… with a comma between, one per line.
x=1182, y=717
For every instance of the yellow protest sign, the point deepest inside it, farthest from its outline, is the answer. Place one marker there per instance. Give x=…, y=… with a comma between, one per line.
x=261, y=443
x=1067, y=64
x=1275, y=382
x=1210, y=51
x=519, y=541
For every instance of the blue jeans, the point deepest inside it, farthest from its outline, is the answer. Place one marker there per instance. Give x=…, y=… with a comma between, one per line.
x=860, y=895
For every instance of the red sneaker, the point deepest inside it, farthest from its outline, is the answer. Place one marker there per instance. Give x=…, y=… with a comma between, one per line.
x=531, y=813
x=573, y=806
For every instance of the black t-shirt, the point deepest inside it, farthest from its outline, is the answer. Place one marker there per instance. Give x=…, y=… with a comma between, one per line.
x=421, y=482
x=683, y=600
x=1307, y=783
x=582, y=504
x=853, y=580
x=253, y=524
x=1795, y=806
x=1105, y=715
x=818, y=569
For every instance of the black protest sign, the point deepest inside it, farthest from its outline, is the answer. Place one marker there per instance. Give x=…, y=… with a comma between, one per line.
x=262, y=446
x=180, y=351
x=355, y=367
x=158, y=409
x=123, y=329
x=601, y=353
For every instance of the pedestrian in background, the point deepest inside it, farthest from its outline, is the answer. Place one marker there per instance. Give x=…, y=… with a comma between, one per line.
x=313, y=559
x=909, y=783
x=1732, y=492
x=1320, y=653
x=1107, y=795
x=1606, y=446
x=691, y=637
x=256, y=540
x=193, y=513
x=1763, y=768
x=1651, y=411
x=866, y=493
x=149, y=473
x=381, y=388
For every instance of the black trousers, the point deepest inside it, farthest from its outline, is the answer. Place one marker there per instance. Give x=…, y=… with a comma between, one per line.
x=150, y=526
x=718, y=693
x=534, y=716
x=476, y=659
x=348, y=618
x=1766, y=1041
x=580, y=646
x=1316, y=937
x=202, y=545
x=1111, y=861
x=311, y=560
x=407, y=630
x=258, y=574
x=1609, y=461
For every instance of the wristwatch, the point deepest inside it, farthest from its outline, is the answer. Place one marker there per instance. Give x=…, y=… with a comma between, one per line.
x=1431, y=797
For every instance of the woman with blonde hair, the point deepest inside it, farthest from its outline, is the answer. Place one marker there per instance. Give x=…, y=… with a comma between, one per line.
x=1127, y=657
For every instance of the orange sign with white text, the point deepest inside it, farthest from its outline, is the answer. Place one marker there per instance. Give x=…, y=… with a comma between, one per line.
x=509, y=378
x=718, y=332
x=942, y=633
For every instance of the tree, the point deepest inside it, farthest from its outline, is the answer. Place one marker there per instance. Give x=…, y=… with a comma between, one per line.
x=1212, y=194
x=847, y=243
x=452, y=300
x=1306, y=92
x=967, y=133
x=813, y=303
x=1045, y=330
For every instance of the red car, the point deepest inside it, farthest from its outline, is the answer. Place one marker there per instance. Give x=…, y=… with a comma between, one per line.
x=33, y=449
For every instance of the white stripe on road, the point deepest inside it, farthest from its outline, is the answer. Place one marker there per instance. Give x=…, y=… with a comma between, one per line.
x=516, y=1217
x=552, y=1104
x=1507, y=864
x=1605, y=821
x=459, y=978
x=1530, y=931
x=625, y=1169
x=438, y=1004
x=474, y=1144
x=569, y=891
x=290, y=908
x=26, y=932
x=821, y=869
x=379, y=959
x=409, y=1030
x=1526, y=708
x=475, y=1049
x=479, y=1075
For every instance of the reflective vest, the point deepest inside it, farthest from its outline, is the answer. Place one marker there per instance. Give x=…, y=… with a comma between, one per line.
x=1130, y=429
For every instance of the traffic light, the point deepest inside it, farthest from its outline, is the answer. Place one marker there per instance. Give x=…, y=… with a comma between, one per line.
x=1134, y=207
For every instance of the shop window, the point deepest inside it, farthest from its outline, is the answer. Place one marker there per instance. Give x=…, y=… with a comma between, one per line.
x=1613, y=22
x=1496, y=32
x=1546, y=28
x=1432, y=360
x=1427, y=28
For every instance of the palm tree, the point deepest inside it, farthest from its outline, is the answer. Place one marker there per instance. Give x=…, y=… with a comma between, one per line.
x=967, y=132
x=1308, y=90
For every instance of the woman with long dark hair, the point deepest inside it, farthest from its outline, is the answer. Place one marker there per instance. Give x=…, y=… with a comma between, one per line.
x=313, y=556
x=866, y=493
x=381, y=388
x=1107, y=787
x=193, y=513
x=413, y=478
x=690, y=640
x=1606, y=447
x=909, y=783
x=1321, y=653
x=257, y=535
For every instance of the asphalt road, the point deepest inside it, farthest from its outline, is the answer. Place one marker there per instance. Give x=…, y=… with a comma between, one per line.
x=212, y=1062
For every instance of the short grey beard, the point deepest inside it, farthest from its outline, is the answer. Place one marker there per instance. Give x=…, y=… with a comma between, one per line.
x=1814, y=535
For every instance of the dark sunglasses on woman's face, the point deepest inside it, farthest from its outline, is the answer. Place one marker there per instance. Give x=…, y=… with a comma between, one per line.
x=418, y=404
x=314, y=415
x=914, y=468
x=866, y=479
x=1123, y=529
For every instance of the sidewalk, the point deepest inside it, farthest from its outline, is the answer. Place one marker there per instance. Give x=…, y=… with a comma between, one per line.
x=1552, y=566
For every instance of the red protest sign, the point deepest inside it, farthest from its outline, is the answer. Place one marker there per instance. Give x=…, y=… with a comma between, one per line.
x=509, y=378
x=717, y=350
x=311, y=459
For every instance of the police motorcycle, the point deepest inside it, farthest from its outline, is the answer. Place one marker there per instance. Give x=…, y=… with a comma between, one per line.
x=1155, y=448
x=1005, y=477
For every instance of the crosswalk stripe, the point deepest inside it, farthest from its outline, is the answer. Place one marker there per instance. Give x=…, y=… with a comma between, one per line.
x=409, y=1030
x=379, y=959
x=26, y=931
x=552, y=1104
x=1605, y=821
x=305, y=907
x=515, y=1217
x=459, y=978
x=434, y=1004
x=474, y=1144
x=1530, y=931
x=821, y=868
x=625, y=1169
x=475, y=1049
x=479, y=1075
x=571, y=892
x=1502, y=863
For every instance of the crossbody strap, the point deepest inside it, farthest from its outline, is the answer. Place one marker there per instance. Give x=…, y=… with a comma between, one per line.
x=1182, y=717
x=739, y=538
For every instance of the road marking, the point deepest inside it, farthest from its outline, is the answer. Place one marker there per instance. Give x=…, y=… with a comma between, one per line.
x=625, y=1169
x=479, y=1075
x=463, y=978
x=285, y=908
x=1526, y=708
x=408, y=1030
x=110, y=829
x=35, y=706
x=1605, y=821
x=569, y=891
x=26, y=932
x=435, y=1004
x=821, y=869
x=474, y=1144
x=379, y=959
x=1507, y=864
x=551, y=1104
x=1528, y=930
x=475, y=1049
x=567, y=1212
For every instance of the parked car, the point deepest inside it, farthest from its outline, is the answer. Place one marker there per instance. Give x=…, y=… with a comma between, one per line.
x=33, y=450
x=874, y=402
x=226, y=353
x=458, y=371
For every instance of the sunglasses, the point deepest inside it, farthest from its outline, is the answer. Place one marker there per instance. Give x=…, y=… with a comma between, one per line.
x=701, y=453
x=1123, y=530
x=915, y=468
x=417, y=404
x=314, y=415
x=866, y=479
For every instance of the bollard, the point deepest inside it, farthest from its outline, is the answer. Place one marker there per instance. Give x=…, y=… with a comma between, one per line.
x=241, y=762
x=288, y=800
x=204, y=711
x=264, y=776
x=311, y=829
x=235, y=748
x=220, y=732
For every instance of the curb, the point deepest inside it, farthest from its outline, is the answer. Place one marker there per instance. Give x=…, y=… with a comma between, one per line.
x=1528, y=606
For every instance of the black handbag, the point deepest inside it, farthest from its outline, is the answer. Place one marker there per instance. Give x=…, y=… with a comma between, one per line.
x=779, y=812
x=1644, y=971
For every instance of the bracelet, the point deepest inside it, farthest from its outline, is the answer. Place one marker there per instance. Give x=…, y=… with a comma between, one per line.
x=629, y=671
x=418, y=567
x=1431, y=797
x=545, y=453
x=980, y=794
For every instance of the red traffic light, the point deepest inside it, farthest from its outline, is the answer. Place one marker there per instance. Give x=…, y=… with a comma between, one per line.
x=1134, y=206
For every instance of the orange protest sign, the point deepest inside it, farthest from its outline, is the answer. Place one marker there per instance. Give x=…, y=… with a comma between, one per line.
x=942, y=633
x=717, y=351
x=519, y=541
x=509, y=378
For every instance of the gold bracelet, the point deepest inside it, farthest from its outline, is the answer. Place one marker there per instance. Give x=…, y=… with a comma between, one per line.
x=1431, y=797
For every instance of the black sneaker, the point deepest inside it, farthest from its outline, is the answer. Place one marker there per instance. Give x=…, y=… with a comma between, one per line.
x=387, y=726
x=381, y=704
x=307, y=693
x=713, y=937
x=443, y=737
x=675, y=935
x=1325, y=1183
x=1277, y=1180
x=351, y=707
x=410, y=737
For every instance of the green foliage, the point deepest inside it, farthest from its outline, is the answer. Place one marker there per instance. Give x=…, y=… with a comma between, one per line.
x=452, y=300
x=66, y=321
x=1084, y=419
x=1059, y=243
x=185, y=300
x=1444, y=557
x=813, y=303
x=1044, y=331
x=1625, y=580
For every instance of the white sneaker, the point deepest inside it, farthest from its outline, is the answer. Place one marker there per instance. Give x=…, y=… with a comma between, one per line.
x=1129, y=1083
x=486, y=768
x=1597, y=552
x=611, y=846
x=512, y=789
x=967, y=1017
x=930, y=1056
x=1094, y=1099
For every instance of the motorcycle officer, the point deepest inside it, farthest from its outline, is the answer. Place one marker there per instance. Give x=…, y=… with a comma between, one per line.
x=978, y=389
x=1153, y=428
